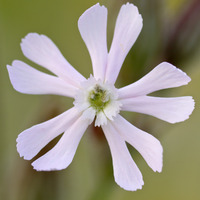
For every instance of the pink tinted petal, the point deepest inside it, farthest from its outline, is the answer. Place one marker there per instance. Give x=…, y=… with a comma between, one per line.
x=172, y=110
x=32, y=140
x=126, y=173
x=92, y=25
x=147, y=145
x=41, y=50
x=161, y=77
x=26, y=79
x=127, y=29
x=63, y=152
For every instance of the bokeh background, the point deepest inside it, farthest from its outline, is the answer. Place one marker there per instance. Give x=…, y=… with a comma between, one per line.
x=171, y=33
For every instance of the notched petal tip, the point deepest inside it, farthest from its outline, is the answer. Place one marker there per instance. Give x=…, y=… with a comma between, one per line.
x=157, y=160
x=21, y=149
x=191, y=106
x=33, y=43
x=132, y=189
x=12, y=76
x=132, y=8
x=36, y=166
x=95, y=8
x=134, y=186
x=30, y=37
x=176, y=72
x=186, y=111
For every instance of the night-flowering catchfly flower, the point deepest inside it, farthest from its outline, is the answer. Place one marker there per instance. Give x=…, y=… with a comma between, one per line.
x=96, y=98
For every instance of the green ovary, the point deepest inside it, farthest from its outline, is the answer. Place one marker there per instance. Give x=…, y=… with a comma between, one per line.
x=98, y=98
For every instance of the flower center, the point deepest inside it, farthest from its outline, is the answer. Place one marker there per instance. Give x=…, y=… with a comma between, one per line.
x=99, y=98
x=96, y=98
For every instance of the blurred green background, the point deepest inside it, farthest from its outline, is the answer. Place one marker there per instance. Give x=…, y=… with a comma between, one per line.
x=171, y=33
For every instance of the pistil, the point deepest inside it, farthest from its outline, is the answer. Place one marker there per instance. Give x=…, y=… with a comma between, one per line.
x=98, y=98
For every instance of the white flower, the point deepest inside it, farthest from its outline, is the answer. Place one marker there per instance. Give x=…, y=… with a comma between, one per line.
x=97, y=98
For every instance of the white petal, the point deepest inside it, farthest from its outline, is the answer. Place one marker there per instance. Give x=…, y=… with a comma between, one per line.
x=147, y=145
x=41, y=50
x=32, y=140
x=126, y=173
x=161, y=77
x=127, y=29
x=101, y=119
x=89, y=114
x=63, y=152
x=26, y=79
x=112, y=109
x=92, y=26
x=172, y=110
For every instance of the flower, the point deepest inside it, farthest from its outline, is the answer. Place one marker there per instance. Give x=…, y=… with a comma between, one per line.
x=96, y=98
